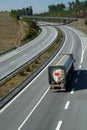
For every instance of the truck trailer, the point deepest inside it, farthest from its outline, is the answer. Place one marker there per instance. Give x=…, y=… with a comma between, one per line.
x=59, y=74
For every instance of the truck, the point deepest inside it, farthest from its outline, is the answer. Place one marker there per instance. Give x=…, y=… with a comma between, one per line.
x=60, y=73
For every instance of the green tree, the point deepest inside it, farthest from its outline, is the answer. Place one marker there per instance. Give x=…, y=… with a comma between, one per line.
x=61, y=6
x=52, y=8
x=71, y=5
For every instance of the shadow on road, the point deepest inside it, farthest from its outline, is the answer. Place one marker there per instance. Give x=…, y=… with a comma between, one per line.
x=79, y=80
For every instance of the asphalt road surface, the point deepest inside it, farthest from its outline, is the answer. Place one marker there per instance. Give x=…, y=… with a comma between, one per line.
x=38, y=108
x=13, y=60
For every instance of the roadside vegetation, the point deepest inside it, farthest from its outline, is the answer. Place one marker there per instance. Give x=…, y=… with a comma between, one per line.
x=14, y=32
x=32, y=31
x=30, y=68
x=75, y=8
x=22, y=12
x=85, y=22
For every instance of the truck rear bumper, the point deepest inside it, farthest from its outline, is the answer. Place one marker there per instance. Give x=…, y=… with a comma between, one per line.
x=60, y=88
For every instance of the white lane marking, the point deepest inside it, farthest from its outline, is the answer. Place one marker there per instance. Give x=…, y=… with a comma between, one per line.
x=25, y=55
x=72, y=43
x=80, y=66
x=72, y=92
x=82, y=52
x=12, y=62
x=76, y=80
x=67, y=105
x=72, y=47
x=32, y=80
x=78, y=73
x=66, y=36
x=59, y=125
x=83, y=46
x=82, y=57
x=33, y=110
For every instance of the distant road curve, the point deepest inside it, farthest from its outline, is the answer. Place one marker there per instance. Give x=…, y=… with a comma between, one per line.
x=13, y=60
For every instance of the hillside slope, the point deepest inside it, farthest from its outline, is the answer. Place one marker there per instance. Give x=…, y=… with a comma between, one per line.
x=80, y=24
x=11, y=32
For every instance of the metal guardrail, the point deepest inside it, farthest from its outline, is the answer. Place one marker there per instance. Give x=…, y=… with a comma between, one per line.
x=20, y=87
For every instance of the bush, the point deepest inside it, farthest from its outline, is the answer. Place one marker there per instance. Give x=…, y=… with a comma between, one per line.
x=85, y=22
x=27, y=68
x=22, y=73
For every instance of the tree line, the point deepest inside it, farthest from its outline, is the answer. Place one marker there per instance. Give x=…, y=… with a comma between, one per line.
x=24, y=11
x=76, y=8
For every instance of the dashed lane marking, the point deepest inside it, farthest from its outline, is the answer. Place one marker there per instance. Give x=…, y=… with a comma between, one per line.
x=76, y=80
x=67, y=105
x=12, y=62
x=80, y=67
x=25, y=55
x=78, y=72
x=59, y=125
x=72, y=92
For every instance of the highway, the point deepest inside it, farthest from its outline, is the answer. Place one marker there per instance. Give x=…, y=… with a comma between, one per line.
x=38, y=108
x=14, y=59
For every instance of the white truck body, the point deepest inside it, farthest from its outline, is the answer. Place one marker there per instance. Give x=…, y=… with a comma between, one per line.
x=58, y=73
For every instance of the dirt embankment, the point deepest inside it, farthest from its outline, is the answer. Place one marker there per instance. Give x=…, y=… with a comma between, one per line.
x=11, y=32
x=80, y=24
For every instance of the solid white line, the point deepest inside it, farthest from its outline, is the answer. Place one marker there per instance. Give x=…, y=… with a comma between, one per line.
x=33, y=110
x=59, y=125
x=72, y=92
x=32, y=80
x=21, y=91
x=76, y=80
x=67, y=105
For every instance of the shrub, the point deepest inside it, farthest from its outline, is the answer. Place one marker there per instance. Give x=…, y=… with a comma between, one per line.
x=85, y=22
x=22, y=73
x=27, y=68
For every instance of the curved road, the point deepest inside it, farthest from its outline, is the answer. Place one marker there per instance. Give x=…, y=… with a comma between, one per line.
x=18, y=57
x=38, y=108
